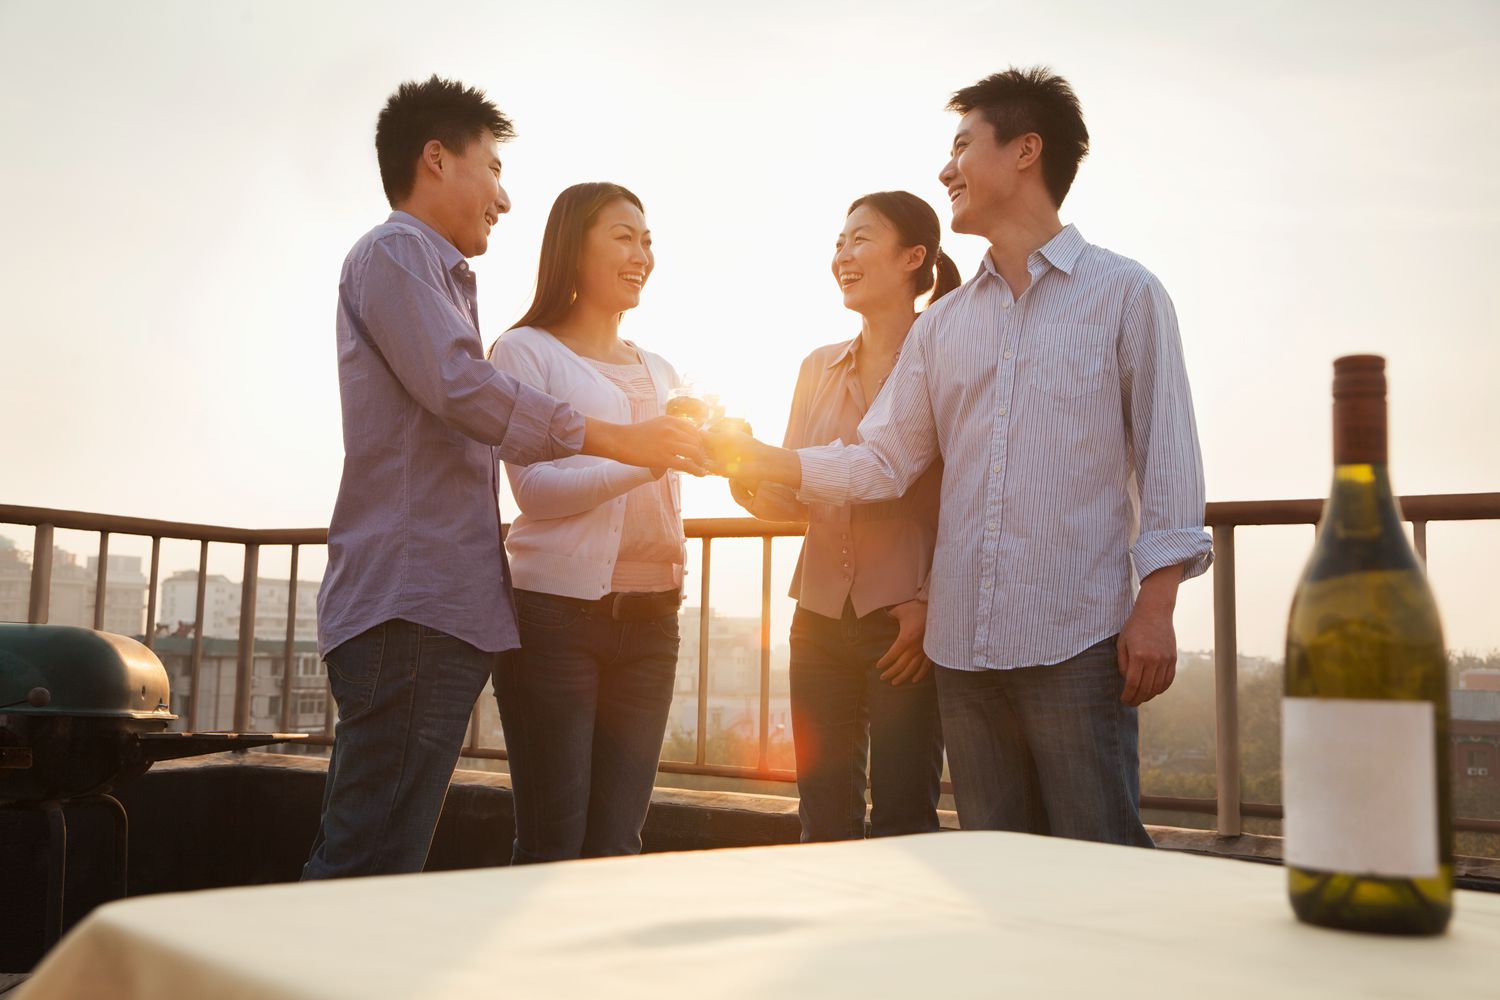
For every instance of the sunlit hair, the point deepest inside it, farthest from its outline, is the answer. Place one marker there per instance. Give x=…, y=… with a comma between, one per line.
x=1019, y=101
x=417, y=113
x=572, y=214
x=916, y=225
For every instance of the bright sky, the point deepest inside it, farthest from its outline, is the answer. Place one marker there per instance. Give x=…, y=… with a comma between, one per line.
x=185, y=179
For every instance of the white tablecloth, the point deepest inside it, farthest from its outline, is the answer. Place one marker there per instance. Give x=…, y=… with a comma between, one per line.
x=948, y=915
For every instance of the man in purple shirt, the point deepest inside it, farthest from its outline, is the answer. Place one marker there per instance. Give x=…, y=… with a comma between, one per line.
x=416, y=603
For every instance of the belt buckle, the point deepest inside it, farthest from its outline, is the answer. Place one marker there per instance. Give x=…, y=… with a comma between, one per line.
x=625, y=607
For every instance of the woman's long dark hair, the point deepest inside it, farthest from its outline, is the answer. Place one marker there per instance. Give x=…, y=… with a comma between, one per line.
x=572, y=214
x=916, y=225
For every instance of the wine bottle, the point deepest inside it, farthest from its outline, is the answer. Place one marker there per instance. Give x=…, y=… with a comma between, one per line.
x=1368, y=834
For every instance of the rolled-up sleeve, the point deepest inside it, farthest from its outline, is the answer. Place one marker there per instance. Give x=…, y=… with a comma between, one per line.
x=1168, y=462
x=899, y=438
x=436, y=354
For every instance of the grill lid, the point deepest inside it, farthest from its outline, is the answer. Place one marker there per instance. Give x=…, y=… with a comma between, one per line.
x=82, y=672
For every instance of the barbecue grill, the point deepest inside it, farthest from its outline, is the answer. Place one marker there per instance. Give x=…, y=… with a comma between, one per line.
x=80, y=712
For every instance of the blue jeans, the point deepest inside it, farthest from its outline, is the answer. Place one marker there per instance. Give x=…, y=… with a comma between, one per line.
x=842, y=713
x=1045, y=749
x=584, y=706
x=404, y=693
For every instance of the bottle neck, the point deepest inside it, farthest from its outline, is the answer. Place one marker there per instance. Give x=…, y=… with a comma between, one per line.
x=1362, y=507
x=1361, y=527
x=1359, y=429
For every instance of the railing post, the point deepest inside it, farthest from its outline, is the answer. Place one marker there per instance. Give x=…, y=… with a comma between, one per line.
x=41, y=576
x=1419, y=538
x=150, y=634
x=764, y=759
x=101, y=580
x=245, y=667
x=701, y=755
x=291, y=641
x=1226, y=685
x=196, y=667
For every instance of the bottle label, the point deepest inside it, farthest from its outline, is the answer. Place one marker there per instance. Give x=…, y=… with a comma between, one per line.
x=1359, y=785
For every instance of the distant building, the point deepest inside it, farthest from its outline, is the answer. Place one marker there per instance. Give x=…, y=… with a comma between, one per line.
x=1474, y=735
x=1479, y=679
x=309, y=704
x=15, y=581
x=71, y=599
x=221, y=606
x=733, y=697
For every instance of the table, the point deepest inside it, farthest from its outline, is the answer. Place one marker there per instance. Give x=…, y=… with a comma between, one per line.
x=947, y=914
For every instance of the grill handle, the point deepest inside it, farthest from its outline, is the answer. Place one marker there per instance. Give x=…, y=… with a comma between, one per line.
x=171, y=746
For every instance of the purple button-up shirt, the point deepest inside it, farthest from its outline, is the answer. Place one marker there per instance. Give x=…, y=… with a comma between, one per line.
x=415, y=532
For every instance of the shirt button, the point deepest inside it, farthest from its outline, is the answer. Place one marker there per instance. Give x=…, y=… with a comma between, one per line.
x=992, y=526
x=1008, y=355
x=996, y=468
x=1002, y=411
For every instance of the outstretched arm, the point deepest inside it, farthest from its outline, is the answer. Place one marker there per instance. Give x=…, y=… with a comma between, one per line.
x=434, y=352
x=899, y=443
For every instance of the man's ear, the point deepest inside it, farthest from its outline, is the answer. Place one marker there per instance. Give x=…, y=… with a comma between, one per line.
x=1028, y=150
x=433, y=159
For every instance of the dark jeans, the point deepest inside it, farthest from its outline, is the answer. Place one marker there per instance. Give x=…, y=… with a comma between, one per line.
x=404, y=693
x=1045, y=749
x=584, y=705
x=842, y=713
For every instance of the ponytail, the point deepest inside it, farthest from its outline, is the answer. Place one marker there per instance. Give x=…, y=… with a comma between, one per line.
x=947, y=277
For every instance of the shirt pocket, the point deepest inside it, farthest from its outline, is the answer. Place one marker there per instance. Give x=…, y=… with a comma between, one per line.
x=1070, y=360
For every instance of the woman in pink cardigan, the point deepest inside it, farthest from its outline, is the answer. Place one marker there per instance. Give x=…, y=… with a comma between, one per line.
x=596, y=554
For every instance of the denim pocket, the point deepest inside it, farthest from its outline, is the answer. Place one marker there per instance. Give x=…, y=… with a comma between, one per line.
x=670, y=626
x=544, y=611
x=354, y=670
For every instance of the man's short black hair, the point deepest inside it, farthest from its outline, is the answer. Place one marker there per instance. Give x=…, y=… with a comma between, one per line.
x=439, y=109
x=1019, y=101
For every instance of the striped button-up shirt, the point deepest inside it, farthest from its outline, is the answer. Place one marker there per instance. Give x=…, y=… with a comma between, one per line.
x=1071, y=458
x=415, y=533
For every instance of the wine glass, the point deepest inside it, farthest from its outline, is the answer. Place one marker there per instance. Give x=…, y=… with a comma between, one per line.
x=685, y=401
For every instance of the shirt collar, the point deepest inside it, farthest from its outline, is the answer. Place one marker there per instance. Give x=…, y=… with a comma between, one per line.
x=451, y=256
x=1064, y=249
x=847, y=354
x=1061, y=251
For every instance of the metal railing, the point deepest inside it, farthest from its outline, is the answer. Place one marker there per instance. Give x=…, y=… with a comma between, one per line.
x=1222, y=518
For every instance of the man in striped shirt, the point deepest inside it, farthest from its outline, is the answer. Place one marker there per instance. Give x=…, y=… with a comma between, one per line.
x=1053, y=386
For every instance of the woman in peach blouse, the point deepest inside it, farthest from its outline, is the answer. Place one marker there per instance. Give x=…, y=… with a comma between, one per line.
x=861, y=687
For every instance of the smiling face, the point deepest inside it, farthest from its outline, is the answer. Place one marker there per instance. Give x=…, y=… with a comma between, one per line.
x=472, y=199
x=616, y=258
x=982, y=175
x=869, y=262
